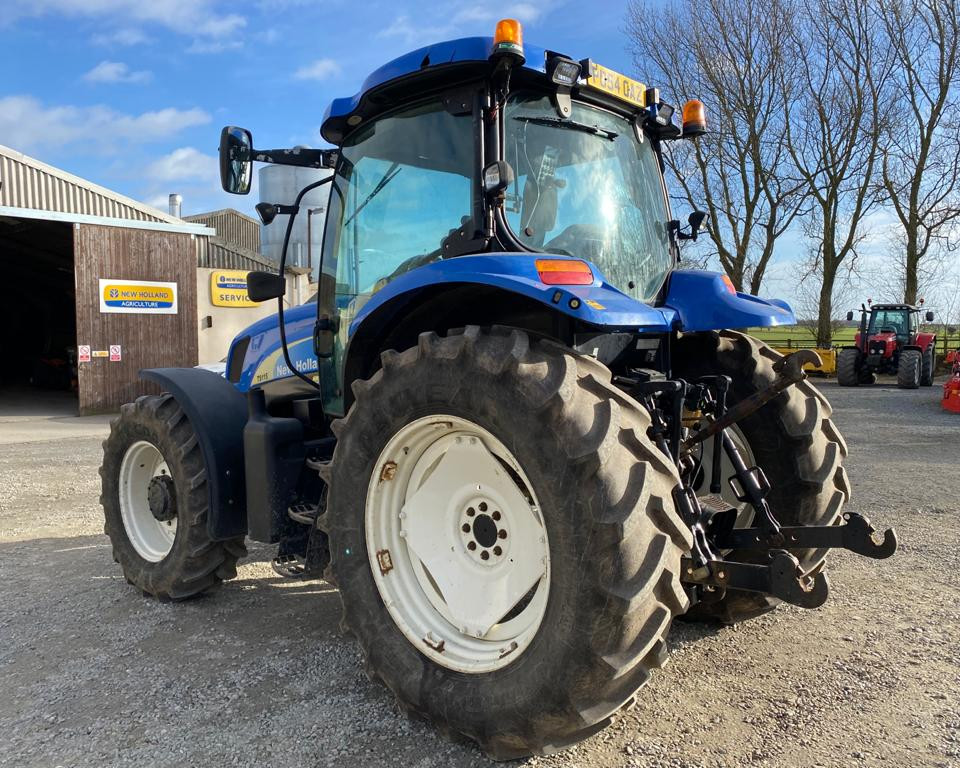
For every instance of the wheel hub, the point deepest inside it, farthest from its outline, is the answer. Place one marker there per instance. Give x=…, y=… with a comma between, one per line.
x=484, y=531
x=162, y=498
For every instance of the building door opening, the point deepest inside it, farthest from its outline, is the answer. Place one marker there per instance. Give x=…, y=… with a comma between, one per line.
x=38, y=330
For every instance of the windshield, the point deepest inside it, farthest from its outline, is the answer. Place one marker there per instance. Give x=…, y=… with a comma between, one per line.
x=587, y=186
x=889, y=321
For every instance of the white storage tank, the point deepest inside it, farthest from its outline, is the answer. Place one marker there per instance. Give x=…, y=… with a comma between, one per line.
x=281, y=184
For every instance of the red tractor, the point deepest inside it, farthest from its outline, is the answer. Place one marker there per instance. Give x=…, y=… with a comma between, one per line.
x=889, y=341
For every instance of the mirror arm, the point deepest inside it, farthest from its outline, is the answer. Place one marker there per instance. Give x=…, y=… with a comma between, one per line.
x=302, y=158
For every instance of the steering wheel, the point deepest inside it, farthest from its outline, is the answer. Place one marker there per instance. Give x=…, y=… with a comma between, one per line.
x=575, y=240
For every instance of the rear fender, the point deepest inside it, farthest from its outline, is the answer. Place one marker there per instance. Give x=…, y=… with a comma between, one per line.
x=217, y=413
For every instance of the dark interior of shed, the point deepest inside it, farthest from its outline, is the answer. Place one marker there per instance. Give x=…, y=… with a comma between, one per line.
x=38, y=334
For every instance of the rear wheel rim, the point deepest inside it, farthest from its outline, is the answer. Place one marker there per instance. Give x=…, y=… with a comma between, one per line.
x=457, y=545
x=151, y=538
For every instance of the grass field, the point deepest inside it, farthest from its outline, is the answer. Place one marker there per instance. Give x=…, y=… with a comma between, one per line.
x=800, y=336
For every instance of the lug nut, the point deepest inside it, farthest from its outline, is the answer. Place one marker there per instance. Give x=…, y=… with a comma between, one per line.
x=496, y=515
x=497, y=551
x=465, y=527
x=483, y=506
x=502, y=533
x=471, y=512
x=471, y=545
x=484, y=555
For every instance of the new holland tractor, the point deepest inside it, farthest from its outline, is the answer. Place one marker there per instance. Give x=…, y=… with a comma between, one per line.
x=511, y=431
x=889, y=341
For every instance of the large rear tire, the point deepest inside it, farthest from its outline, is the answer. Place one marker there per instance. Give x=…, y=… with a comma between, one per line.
x=848, y=364
x=908, y=369
x=155, y=503
x=559, y=664
x=791, y=438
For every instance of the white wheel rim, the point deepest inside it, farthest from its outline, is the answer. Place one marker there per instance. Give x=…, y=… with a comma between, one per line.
x=151, y=538
x=466, y=611
x=745, y=512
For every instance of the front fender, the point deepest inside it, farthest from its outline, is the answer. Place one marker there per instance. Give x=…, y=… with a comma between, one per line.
x=707, y=301
x=217, y=413
x=599, y=303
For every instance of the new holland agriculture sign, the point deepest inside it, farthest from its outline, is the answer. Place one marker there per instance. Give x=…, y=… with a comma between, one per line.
x=228, y=288
x=138, y=297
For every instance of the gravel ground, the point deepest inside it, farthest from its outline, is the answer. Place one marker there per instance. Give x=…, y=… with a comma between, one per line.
x=92, y=674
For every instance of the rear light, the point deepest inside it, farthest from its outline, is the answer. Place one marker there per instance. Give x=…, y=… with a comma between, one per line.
x=731, y=288
x=564, y=272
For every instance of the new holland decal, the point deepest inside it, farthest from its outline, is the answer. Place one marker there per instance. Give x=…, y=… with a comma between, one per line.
x=138, y=297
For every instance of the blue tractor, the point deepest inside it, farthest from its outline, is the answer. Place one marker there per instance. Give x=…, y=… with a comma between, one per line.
x=510, y=430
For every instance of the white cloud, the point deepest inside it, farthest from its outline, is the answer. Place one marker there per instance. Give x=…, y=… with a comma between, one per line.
x=127, y=36
x=321, y=69
x=198, y=19
x=28, y=125
x=116, y=72
x=183, y=164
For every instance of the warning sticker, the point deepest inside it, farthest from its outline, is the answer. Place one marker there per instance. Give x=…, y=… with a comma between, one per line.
x=83, y=353
x=100, y=353
x=114, y=353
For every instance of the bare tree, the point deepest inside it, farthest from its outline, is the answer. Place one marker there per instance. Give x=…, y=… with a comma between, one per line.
x=833, y=131
x=729, y=53
x=921, y=154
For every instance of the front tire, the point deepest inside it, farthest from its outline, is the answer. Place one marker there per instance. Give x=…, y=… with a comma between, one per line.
x=791, y=438
x=571, y=444
x=848, y=367
x=927, y=366
x=155, y=503
x=908, y=369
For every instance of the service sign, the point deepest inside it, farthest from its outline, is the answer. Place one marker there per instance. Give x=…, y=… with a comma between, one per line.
x=228, y=288
x=618, y=85
x=138, y=297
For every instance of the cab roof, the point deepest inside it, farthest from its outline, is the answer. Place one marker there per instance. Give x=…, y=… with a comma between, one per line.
x=895, y=306
x=346, y=112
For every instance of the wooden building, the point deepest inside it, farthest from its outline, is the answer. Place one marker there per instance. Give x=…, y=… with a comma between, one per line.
x=97, y=286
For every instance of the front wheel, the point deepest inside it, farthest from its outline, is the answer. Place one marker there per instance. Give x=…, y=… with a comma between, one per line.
x=848, y=367
x=503, y=536
x=155, y=503
x=927, y=367
x=908, y=369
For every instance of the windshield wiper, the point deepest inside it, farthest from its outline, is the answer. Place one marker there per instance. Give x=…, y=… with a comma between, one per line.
x=392, y=171
x=571, y=125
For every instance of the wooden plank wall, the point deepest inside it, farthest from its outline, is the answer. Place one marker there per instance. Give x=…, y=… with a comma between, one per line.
x=147, y=341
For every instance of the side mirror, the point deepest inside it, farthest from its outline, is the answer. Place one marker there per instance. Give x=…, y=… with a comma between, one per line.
x=849, y=315
x=263, y=286
x=696, y=220
x=236, y=164
x=929, y=316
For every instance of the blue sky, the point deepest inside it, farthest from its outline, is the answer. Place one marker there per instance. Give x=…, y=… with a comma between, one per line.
x=132, y=93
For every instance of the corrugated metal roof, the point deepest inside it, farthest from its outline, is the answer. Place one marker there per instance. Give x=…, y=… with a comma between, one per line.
x=28, y=183
x=232, y=226
x=217, y=253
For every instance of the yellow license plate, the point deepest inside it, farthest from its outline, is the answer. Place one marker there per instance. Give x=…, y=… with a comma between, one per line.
x=618, y=85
